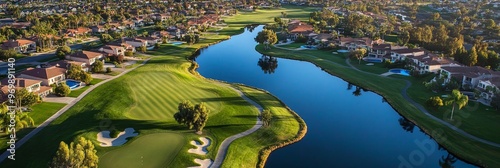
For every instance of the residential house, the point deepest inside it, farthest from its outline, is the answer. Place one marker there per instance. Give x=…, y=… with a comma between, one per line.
x=81, y=31
x=48, y=76
x=174, y=31
x=429, y=62
x=468, y=77
x=139, y=21
x=355, y=43
x=323, y=38
x=66, y=63
x=30, y=85
x=114, y=50
x=488, y=88
x=401, y=54
x=136, y=42
x=150, y=40
x=160, y=34
x=160, y=17
x=88, y=57
x=98, y=29
x=20, y=45
x=296, y=28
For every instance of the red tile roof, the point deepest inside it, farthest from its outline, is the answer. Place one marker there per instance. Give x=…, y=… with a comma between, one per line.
x=44, y=73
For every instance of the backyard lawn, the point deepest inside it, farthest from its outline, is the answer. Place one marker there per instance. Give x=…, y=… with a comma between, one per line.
x=78, y=92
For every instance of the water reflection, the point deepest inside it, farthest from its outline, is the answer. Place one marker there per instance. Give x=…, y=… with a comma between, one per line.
x=349, y=86
x=407, y=125
x=357, y=92
x=251, y=27
x=448, y=161
x=268, y=64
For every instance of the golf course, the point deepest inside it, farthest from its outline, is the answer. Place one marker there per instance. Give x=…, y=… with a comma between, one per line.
x=146, y=99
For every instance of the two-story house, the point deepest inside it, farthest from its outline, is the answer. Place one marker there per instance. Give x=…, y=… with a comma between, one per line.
x=30, y=85
x=48, y=76
x=401, y=54
x=88, y=57
x=114, y=50
x=430, y=63
x=136, y=42
x=296, y=28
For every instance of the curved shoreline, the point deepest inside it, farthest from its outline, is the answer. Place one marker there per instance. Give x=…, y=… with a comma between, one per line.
x=432, y=134
x=266, y=151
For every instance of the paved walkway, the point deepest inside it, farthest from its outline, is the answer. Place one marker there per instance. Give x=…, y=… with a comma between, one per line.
x=19, y=143
x=55, y=99
x=221, y=154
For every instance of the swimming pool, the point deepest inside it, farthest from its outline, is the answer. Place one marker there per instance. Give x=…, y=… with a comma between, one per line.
x=375, y=60
x=176, y=43
x=308, y=46
x=403, y=72
x=72, y=84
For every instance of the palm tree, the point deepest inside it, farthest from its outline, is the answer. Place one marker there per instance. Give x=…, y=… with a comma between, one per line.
x=456, y=98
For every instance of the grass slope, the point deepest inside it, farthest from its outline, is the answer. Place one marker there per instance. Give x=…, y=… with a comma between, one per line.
x=461, y=146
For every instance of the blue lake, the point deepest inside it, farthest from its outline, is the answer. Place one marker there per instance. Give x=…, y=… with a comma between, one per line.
x=347, y=126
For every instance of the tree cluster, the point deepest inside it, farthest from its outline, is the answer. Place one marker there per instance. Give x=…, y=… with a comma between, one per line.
x=194, y=117
x=267, y=37
x=76, y=72
x=81, y=153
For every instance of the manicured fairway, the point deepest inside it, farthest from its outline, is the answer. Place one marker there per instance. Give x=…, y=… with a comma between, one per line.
x=158, y=100
x=153, y=150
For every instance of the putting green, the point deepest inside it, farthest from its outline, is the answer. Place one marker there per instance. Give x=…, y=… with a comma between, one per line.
x=153, y=150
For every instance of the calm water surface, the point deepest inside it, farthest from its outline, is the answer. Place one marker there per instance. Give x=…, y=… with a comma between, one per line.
x=347, y=126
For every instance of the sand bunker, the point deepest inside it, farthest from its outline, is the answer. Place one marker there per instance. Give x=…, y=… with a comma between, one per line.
x=121, y=139
x=203, y=163
x=201, y=149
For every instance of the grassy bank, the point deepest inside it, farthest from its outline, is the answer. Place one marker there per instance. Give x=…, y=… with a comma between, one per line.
x=390, y=88
x=285, y=128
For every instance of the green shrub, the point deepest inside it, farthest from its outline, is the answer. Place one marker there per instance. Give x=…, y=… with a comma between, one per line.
x=129, y=53
x=108, y=70
x=62, y=90
x=434, y=102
